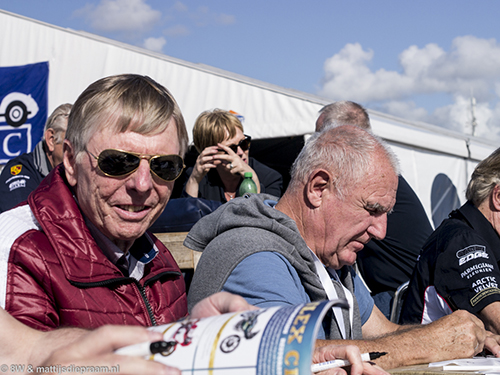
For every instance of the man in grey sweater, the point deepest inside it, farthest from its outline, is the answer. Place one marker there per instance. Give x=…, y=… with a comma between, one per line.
x=300, y=249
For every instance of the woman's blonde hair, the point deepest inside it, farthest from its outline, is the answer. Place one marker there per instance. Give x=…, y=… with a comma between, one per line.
x=212, y=127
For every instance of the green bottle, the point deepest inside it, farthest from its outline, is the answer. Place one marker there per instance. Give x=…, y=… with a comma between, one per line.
x=247, y=185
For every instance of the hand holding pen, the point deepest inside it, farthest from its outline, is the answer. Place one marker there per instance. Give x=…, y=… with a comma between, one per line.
x=365, y=357
x=360, y=363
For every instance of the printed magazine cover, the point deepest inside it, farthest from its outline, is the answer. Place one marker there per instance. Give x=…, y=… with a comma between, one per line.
x=277, y=340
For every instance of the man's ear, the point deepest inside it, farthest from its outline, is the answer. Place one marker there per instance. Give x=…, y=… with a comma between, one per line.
x=318, y=184
x=69, y=161
x=495, y=198
x=50, y=141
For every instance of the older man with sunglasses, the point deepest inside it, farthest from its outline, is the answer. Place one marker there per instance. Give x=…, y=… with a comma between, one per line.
x=78, y=254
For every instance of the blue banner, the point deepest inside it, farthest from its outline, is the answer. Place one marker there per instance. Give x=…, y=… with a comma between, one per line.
x=23, y=108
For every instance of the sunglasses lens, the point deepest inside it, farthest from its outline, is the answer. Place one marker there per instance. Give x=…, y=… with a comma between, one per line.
x=120, y=163
x=167, y=167
x=245, y=144
x=117, y=163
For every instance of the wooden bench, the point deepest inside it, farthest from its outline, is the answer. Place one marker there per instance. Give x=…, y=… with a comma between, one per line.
x=187, y=259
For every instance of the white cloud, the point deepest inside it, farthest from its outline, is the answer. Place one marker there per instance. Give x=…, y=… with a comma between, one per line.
x=487, y=123
x=120, y=15
x=455, y=116
x=406, y=109
x=347, y=75
x=155, y=44
x=468, y=65
x=472, y=65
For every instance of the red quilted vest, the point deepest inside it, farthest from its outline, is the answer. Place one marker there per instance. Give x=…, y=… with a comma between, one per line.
x=57, y=276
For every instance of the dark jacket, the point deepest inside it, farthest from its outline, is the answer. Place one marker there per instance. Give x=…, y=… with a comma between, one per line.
x=21, y=176
x=56, y=274
x=459, y=268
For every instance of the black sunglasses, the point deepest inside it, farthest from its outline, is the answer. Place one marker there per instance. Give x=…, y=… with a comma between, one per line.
x=244, y=144
x=116, y=163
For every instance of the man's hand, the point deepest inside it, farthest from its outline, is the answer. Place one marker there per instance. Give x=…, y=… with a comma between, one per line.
x=220, y=303
x=97, y=348
x=492, y=343
x=458, y=335
x=349, y=352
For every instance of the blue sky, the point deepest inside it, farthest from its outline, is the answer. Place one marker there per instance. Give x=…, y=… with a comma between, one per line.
x=419, y=60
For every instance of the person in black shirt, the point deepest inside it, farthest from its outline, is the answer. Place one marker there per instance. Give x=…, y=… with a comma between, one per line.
x=459, y=264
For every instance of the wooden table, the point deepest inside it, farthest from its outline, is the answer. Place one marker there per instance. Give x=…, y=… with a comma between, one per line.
x=187, y=259
x=426, y=370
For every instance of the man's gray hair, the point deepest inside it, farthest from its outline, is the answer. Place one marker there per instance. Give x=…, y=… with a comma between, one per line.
x=347, y=151
x=485, y=177
x=125, y=102
x=343, y=113
x=58, y=120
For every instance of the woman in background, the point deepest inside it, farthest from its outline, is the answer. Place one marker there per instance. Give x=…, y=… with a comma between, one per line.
x=224, y=159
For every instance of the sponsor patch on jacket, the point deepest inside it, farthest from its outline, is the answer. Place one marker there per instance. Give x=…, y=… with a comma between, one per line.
x=16, y=169
x=477, y=269
x=483, y=294
x=471, y=252
x=17, y=184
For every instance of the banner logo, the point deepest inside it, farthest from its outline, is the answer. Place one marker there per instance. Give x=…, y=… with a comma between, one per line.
x=23, y=108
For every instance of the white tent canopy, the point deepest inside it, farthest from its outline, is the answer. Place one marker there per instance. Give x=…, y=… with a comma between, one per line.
x=77, y=59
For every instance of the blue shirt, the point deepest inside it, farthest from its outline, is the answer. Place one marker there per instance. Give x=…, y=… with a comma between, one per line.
x=273, y=281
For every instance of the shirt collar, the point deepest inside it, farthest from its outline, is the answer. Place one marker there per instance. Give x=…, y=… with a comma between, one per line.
x=479, y=223
x=141, y=253
x=271, y=203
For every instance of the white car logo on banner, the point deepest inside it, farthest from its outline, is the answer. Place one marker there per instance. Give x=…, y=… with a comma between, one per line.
x=17, y=107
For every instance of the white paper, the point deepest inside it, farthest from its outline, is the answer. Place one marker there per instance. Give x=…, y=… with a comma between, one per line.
x=488, y=364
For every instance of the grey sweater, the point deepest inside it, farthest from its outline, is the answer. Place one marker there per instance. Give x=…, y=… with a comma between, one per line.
x=245, y=226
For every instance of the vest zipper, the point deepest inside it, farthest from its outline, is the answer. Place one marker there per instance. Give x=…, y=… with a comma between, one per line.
x=146, y=301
